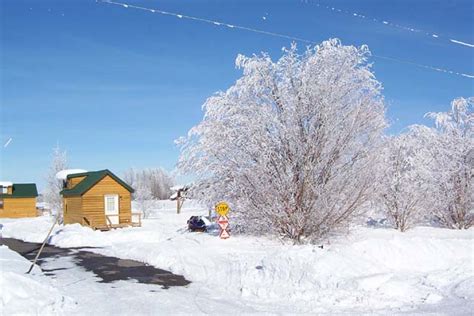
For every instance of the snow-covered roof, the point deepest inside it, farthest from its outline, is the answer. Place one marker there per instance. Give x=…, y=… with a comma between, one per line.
x=62, y=175
x=6, y=184
x=174, y=196
x=177, y=187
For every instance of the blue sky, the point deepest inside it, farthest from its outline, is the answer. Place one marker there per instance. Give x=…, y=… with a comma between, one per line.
x=115, y=86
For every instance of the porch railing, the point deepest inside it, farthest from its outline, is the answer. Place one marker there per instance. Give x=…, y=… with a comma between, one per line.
x=135, y=221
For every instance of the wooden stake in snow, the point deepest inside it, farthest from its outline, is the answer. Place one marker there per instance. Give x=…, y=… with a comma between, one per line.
x=179, y=204
x=179, y=195
x=44, y=243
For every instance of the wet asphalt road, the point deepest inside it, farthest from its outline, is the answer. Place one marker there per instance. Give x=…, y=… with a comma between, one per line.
x=108, y=269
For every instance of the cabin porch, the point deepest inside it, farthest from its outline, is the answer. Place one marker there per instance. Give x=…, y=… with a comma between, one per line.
x=134, y=221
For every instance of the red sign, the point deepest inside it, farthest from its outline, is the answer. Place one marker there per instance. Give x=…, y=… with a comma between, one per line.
x=222, y=219
x=223, y=223
x=224, y=234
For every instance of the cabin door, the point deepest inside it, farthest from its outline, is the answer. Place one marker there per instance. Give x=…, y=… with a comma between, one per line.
x=111, y=203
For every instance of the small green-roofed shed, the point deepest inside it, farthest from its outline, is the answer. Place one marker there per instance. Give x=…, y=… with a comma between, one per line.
x=98, y=199
x=18, y=200
x=21, y=190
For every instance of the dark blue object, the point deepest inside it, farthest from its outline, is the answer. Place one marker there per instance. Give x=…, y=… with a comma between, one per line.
x=196, y=224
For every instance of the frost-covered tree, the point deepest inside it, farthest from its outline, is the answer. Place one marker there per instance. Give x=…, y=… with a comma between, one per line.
x=404, y=179
x=158, y=181
x=452, y=145
x=144, y=198
x=54, y=185
x=291, y=144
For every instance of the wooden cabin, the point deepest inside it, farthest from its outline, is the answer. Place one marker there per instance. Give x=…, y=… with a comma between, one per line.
x=18, y=200
x=98, y=199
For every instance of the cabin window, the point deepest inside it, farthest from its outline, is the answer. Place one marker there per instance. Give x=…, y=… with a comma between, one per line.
x=4, y=190
x=110, y=203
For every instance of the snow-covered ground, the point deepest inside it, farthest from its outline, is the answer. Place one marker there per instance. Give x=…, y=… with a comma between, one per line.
x=22, y=293
x=369, y=270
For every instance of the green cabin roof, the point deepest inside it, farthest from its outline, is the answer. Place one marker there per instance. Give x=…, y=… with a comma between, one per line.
x=91, y=179
x=22, y=190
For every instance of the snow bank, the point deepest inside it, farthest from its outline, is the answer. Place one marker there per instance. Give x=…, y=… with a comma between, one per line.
x=62, y=175
x=27, y=294
x=367, y=270
x=6, y=184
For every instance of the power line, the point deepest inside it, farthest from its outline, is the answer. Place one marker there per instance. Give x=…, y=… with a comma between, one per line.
x=8, y=142
x=385, y=22
x=424, y=66
x=274, y=34
x=217, y=23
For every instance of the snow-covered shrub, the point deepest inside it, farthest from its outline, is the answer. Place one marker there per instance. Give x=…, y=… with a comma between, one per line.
x=291, y=144
x=404, y=179
x=158, y=181
x=452, y=146
x=53, y=184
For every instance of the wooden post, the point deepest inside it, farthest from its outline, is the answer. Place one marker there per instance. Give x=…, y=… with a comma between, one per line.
x=180, y=197
x=42, y=246
x=179, y=201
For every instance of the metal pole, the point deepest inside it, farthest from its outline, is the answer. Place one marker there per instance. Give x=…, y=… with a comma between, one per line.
x=44, y=243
